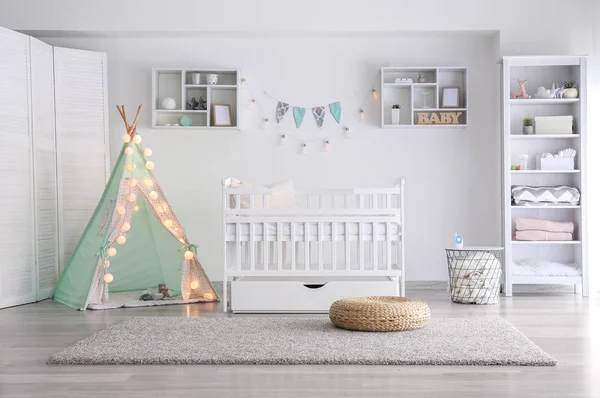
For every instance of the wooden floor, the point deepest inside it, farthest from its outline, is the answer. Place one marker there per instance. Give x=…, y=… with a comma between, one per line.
x=564, y=325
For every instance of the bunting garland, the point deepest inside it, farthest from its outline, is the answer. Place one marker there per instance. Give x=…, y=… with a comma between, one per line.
x=281, y=110
x=299, y=116
x=319, y=114
x=336, y=110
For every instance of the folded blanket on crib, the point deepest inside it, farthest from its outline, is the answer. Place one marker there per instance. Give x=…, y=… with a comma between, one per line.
x=526, y=224
x=543, y=235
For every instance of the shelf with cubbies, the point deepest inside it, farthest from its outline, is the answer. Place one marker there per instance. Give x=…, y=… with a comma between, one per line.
x=524, y=151
x=194, y=99
x=422, y=103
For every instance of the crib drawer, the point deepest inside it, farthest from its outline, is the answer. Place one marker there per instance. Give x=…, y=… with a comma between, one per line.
x=304, y=296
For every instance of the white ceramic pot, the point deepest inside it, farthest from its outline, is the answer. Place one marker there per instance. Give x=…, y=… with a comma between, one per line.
x=527, y=129
x=570, y=93
x=212, y=78
x=196, y=78
x=395, y=116
x=169, y=103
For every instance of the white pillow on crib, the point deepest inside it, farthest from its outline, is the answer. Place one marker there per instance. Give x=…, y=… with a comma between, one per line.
x=283, y=197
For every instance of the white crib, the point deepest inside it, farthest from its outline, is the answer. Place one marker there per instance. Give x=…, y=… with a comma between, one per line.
x=332, y=244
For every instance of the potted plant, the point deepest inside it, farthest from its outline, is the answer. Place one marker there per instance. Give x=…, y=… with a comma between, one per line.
x=570, y=90
x=396, y=113
x=527, y=125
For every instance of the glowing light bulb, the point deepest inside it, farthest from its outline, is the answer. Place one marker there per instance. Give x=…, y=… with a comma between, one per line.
x=168, y=223
x=147, y=152
x=153, y=195
x=130, y=166
x=375, y=95
x=106, y=263
x=136, y=208
x=131, y=197
x=126, y=138
x=208, y=296
x=132, y=182
x=150, y=165
x=347, y=132
x=121, y=240
x=194, y=285
x=125, y=227
x=108, y=278
x=137, y=139
x=188, y=255
x=128, y=151
x=147, y=182
x=282, y=139
x=327, y=146
x=111, y=252
x=266, y=123
x=362, y=114
x=244, y=82
x=121, y=210
x=304, y=149
x=252, y=103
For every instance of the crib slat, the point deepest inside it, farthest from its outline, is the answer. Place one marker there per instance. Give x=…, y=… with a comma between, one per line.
x=361, y=201
x=238, y=247
x=388, y=245
x=306, y=247
x=388, y=201
x=333, y=247
x=265, y=201
x=293, y=238
x=265, y=247
x=361, y=246
x=279, y=248
x=252, y=243
x=252, y=201
x=374, y=239
x=347, y=244
x=374, y=201
x=320, y=238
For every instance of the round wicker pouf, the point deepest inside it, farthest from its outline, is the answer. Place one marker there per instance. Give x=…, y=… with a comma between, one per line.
x=379, y=314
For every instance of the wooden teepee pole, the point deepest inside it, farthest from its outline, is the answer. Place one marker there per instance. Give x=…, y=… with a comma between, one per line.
x=130, y=128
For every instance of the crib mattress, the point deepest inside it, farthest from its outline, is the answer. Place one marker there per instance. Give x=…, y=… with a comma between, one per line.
x=340, y=230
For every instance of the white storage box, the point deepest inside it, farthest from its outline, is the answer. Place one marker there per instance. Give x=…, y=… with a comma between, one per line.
x=554, y=125
x=556, y=163
x=303, y=295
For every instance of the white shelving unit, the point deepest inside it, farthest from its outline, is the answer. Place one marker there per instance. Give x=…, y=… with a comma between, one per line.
x=177, y=84
x=543, y=71
x=411, y=96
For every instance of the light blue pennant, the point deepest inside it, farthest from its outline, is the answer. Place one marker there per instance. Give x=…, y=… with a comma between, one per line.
x=336, y=110
x=299, y=116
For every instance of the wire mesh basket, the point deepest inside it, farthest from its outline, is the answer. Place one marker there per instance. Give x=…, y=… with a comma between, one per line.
x=475, y=274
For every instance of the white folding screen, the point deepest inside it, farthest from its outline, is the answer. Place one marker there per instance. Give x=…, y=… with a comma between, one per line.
x=17, y=232
x=44, y=159
x=82, y=139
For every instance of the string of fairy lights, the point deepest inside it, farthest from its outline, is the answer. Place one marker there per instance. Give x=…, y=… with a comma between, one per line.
x=284, y=135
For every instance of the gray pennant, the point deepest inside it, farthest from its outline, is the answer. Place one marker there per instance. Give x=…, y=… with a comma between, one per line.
x=281, y=110
x=319, y=114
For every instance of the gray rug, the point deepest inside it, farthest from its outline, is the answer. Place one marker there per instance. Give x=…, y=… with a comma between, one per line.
x=299, y=340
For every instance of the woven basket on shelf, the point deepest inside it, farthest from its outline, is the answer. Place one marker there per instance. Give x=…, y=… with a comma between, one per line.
x=379, y=314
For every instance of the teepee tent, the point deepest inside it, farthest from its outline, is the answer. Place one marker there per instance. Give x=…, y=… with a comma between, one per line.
x=133, y=242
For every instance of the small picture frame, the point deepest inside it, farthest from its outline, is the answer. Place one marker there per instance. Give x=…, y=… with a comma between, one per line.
x=221, y=115
x=450, y=97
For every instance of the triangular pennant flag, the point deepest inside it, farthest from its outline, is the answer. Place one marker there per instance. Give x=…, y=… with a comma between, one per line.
x=319, y=114
x=299, y=116
x=281, y=110
x=336, y=110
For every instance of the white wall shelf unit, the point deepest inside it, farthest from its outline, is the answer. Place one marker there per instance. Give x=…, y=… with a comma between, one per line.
x=544, y=71
x=177, y=84
x=426, y=97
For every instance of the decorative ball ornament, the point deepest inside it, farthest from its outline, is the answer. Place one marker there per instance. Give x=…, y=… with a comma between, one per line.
x=128, y=151
x=126, y=138
x=169, y=103
x=136, y=208
x=125, y=227
x=108, y=278
x=208, y=296
x=121, y=210
x=111, y=252
x=137, y=139
x=130, y=166
x=106, y=263
x=121, y=240
x=168, y=223
x=150, y=165
x=147, y=152
x=153, y=195
x=132, y=182
x=147, y=182
x=188, y=255
x=194, y=285
x=132, y=197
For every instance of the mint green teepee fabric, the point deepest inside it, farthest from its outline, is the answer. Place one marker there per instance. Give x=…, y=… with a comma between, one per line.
x=151, y=253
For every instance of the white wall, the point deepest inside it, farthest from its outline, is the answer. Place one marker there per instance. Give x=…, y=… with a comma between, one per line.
x=312, y=53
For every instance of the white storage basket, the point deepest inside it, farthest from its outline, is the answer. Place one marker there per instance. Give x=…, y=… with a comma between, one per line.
x=475, y=274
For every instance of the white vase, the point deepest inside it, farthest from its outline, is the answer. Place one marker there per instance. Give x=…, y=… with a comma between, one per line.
x=570, y=93
x=395, y=116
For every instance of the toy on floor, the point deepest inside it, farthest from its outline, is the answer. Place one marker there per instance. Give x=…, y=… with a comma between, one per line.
x=521, y=92
x=163, y=293
x=166, y=292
